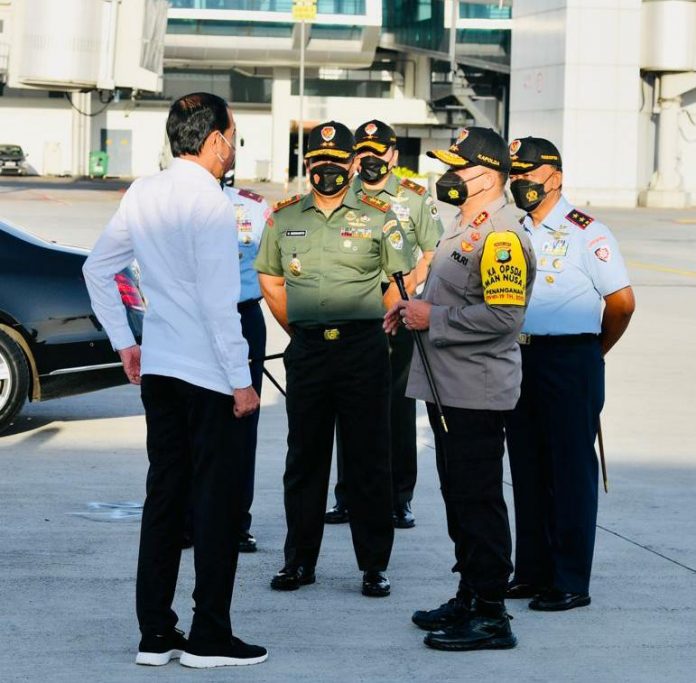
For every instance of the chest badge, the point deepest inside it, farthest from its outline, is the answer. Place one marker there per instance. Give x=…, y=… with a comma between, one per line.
x=466, y=247
x=295, y=265
x=475, y=236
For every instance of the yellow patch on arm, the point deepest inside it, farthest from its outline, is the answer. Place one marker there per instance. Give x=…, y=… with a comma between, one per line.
x=503, y=270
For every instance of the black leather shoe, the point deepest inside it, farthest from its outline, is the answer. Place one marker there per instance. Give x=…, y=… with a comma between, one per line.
x=487, y=627
x=290, y=578
x=517, y=590
x=403, y=517
x=247, y=543
x=444, y=616
x=336, y=515
x=375, y=584
x=557, y=601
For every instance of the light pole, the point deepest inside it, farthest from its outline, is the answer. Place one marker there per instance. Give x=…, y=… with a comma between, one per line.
x=302, y=10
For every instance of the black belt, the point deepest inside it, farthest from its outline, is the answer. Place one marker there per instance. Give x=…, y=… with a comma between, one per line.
x=245, y=305
x=336, y=332
x=556, y=339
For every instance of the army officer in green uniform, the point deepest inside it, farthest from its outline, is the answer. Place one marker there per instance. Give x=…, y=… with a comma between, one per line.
x=375, y=146
x=320, y=266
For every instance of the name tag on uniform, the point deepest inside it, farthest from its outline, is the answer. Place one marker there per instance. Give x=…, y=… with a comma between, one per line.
x=296, y=233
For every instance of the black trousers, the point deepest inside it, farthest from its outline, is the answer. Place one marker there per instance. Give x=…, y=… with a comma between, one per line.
x=470, y=466
x=404, y=461
x=254, y=331
x=195, y=446
x=346, y=380
x=551, y=435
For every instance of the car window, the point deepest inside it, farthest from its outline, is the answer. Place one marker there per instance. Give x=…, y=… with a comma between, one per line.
x=11, y=151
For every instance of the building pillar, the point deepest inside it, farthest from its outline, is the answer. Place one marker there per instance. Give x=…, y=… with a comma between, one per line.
x=422, y=77
x=581, y=91
x=281, y=116
x=666, y=189
x=81, y=132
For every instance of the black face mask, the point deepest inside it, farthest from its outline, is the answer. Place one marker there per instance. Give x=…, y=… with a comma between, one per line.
x=373, y=169
x=451, y=189
x=528, y=194
x=328, y=179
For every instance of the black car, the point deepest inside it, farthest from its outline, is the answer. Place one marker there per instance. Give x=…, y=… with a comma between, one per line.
x=51, y=343
x=13, y=160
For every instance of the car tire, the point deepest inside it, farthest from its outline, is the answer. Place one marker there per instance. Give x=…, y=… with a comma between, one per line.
x=15, y=379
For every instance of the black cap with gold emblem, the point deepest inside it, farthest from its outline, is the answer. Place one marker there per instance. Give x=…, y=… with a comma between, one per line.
x=330, y=140
x=476, y=146
x=374, y=135
x=529, y=153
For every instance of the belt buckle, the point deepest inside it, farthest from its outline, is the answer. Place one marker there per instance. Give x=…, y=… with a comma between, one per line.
x=525, y=339
x=332, y=335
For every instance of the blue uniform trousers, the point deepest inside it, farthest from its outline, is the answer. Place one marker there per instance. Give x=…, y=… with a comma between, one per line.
x=254, y=331
x=551, y=435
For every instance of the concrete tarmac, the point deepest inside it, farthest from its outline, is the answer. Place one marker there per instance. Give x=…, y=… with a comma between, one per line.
x=67, y=570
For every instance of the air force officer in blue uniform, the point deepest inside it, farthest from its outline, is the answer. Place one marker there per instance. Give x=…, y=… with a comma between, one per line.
x=581, y=304
x=251, y=212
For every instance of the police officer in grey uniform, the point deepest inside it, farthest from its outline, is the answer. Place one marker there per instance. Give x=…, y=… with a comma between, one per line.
x=552, y=431
x=469, y=317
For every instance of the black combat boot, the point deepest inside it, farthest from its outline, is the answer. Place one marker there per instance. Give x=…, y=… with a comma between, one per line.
x=445, y=616
x=486, y=627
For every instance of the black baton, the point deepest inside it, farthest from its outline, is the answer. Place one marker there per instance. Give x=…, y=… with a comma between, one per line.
x=602, y=459
x=267, y=373
x=399, y=279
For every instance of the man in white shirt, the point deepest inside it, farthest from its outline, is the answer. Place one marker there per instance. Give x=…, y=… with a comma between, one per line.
x=194, y=378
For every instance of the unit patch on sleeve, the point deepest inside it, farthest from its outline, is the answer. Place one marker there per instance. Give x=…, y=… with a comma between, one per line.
x=375, y=202
x=503, y=270
x=396, y=240
x=603, y=254
x=289, y=201
x=582, y=220
x=414, y=187
x=251, y=195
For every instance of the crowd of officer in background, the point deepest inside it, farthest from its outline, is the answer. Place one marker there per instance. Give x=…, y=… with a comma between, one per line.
x=512, y=314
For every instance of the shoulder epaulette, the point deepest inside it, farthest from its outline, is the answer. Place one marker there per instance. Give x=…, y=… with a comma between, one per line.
x=250, y=195
x=480, y=219
x=289, y=201
x=375, y=202
x=582, y=220
x=414, y=187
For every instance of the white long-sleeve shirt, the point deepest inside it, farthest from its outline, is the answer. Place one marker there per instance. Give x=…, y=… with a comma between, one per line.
x=182, y=230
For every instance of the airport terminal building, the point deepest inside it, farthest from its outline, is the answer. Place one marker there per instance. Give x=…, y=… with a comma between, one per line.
x=613, y=82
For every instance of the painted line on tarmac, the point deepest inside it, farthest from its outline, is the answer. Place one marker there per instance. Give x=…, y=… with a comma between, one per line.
x=661, y=269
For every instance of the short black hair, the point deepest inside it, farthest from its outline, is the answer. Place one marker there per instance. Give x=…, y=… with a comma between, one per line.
x=192, y=118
